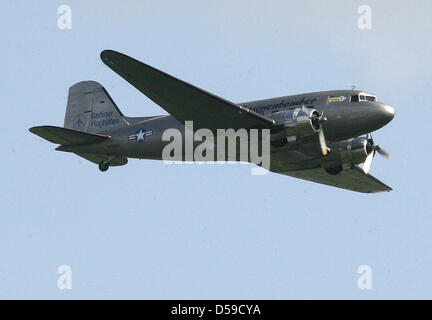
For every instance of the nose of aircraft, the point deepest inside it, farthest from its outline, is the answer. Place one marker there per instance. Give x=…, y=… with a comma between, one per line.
x=358, y=119
x=386, y=113
x=377, y=116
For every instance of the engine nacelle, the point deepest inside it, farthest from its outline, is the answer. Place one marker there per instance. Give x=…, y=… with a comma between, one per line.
x=298, y=123
x=348, y=153
x=352, y=151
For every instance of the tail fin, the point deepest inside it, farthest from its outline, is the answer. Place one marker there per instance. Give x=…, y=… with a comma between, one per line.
x=91, y=109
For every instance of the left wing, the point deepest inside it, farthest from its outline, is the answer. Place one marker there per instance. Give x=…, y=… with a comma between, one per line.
x=354, y=179
x=183, y=100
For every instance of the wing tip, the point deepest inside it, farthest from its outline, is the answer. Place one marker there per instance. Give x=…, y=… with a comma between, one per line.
x=106, y=54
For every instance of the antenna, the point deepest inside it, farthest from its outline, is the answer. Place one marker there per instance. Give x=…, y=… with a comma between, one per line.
x=353, y=86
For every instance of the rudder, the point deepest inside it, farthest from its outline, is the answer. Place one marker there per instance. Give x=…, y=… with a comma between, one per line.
x=91, y=109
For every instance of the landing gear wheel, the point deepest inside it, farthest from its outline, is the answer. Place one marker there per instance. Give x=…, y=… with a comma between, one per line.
x=103, y=166
x=334, y=170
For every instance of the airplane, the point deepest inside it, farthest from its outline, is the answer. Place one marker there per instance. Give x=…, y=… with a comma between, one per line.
x=322, y=137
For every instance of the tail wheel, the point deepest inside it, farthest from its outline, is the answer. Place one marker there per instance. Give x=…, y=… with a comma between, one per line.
x=103, y=166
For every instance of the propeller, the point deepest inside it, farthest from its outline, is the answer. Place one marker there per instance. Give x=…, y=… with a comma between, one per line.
x=371, y=149
x=323, y=145
x=383, y=152
x=316, y=121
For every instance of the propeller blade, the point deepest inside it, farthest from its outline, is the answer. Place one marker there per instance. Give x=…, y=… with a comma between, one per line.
x=368, y=162
x=383, y=152
x=324, y=148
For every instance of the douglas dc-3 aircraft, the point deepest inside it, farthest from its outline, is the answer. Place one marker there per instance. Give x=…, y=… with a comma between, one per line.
x=314, y=136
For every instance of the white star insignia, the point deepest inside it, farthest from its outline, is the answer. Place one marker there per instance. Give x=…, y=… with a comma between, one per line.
x=140, y=135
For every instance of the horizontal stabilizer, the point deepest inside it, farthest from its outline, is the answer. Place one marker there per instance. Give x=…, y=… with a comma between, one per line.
x=66, y=136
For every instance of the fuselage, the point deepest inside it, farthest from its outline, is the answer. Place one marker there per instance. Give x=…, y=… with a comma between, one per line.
x=348, y=114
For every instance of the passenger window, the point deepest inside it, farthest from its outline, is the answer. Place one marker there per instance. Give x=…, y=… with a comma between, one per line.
x=355, y=98
x=362, y=98
x=368, y=98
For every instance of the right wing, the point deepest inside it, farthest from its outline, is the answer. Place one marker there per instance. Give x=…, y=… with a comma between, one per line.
x=183, y=100
x=353, y=179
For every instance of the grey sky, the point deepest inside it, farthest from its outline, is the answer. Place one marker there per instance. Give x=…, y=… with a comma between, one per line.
x=151, y=230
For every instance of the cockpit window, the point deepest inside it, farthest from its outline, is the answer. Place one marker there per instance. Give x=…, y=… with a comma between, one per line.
x=363, y=97
x=355, y=98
